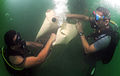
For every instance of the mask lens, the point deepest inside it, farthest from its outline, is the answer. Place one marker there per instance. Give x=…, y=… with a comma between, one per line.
x=98, y=17
x=18, y=39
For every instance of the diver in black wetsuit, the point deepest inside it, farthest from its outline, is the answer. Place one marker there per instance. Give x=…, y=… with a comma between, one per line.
x=17, y=54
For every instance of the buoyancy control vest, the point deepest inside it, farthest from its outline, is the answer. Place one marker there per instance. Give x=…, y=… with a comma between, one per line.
x=106, y=53
x=23, y=52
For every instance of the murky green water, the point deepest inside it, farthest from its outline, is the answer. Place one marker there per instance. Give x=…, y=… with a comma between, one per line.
x=27, y=16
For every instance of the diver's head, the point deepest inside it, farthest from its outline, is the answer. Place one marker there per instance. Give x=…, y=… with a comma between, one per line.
x=13, y=40
x=101, y=17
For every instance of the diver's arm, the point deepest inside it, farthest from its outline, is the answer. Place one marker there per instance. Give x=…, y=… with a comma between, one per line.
x=34, y=44
x=31, y=61
x=78, y=16
x=88, y=48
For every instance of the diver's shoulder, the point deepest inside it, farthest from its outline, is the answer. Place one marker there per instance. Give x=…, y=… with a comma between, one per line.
x=16, y=59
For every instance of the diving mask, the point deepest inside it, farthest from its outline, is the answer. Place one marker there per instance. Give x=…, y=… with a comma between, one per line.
x=20, y=41
x=97, y=16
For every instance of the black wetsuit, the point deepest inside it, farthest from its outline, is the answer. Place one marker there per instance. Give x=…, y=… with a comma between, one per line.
x=106, y=54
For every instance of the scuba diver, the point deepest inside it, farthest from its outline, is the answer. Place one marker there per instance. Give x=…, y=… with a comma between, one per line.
x=105, y=38
x=17, y=54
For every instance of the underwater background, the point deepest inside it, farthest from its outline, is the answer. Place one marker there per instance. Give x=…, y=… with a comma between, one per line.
x=27, y=16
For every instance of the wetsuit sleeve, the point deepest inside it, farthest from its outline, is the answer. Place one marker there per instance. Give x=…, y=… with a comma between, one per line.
x=102, y=43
